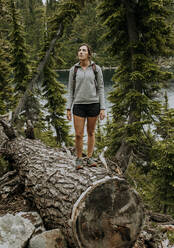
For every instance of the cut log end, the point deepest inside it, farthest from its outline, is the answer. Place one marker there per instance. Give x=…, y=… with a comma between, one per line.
x=108, y=214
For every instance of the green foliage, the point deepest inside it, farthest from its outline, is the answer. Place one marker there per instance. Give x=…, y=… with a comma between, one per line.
x=33, y=15
x=46, y=136
x=99, y=138
x=65, y=13
x=74, y=15
x=103, y=135
x=138, y=77
x=153, y=169
x=20, y=60
x=139, y=33
x=144, y=184
x=6, y=91
x=162, y=156
x=85, y=28
x=22, y=71
x=153, y=30
x=55, y=101
x=170, y=236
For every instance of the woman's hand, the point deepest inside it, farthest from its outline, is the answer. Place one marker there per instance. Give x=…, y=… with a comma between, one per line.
x=102, y=114
x=69, y=116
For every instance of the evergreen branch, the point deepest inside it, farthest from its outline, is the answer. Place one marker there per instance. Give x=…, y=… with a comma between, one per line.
x=147, y=136
x=36, y=77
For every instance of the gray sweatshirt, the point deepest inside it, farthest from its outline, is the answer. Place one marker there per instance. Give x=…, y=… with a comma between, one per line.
x=86, y=90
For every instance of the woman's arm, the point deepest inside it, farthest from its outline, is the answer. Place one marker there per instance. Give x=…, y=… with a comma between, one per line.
x=100, y=87
x=100, y=84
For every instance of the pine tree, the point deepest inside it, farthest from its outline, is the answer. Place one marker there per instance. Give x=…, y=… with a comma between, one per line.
x=139, y=33
x=6, y=91
x=21, y=69
x=33, y=14
x=50, y=7
x=162, y=156
x=53, y=92
x=20, y=63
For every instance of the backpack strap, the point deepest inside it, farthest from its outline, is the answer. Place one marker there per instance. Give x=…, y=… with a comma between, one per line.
x=95, y=73
x=74, y=78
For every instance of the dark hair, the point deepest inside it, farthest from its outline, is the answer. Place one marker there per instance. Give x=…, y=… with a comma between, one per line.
x=88, y=47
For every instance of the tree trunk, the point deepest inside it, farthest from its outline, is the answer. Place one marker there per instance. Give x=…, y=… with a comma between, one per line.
x=91, y=207
x=123, y=155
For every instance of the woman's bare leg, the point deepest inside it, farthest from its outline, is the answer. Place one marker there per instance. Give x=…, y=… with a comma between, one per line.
x=79, y=123
x=91, y=124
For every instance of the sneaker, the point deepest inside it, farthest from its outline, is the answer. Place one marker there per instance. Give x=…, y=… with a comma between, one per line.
x=91, y=162
x=79, y=163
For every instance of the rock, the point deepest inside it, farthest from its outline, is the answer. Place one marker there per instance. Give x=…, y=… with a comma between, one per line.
x=15, y=231
x=48, y=239
x=35, y=219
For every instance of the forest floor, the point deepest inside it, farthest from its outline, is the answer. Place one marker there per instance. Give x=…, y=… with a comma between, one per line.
x=15, y=204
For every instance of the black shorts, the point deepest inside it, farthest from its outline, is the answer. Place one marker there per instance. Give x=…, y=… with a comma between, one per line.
x=86, y=110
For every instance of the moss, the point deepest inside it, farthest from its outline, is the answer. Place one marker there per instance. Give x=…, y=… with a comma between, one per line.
x=170, y=235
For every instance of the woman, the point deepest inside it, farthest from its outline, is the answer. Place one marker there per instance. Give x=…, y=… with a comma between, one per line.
x=86, y=92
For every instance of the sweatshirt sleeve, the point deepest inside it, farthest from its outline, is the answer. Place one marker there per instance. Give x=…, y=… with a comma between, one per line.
x=100, y=84
x=70, y=89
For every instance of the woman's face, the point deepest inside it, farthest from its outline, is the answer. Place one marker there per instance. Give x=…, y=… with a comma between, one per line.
x=83, y=53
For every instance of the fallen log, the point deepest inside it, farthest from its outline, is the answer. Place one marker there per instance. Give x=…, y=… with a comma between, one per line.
x=90, y=206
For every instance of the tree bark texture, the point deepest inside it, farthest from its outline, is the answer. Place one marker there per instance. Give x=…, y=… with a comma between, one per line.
x=91, y=207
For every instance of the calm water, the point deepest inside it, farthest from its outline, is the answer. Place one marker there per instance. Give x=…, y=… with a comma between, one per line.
x=107, y=74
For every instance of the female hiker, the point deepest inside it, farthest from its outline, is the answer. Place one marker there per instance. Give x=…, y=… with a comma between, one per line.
x=86, y=94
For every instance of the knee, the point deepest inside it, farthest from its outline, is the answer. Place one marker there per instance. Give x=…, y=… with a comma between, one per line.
x=79, y=136
x=91, y=133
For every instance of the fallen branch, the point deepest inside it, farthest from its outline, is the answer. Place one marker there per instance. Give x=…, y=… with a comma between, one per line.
x=102, y=158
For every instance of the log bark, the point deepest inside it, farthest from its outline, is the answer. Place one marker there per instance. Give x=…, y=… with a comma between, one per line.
x=90, y=206
x=9, y=184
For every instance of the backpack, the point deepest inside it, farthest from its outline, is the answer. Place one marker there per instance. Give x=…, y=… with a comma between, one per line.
x=75, y=73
